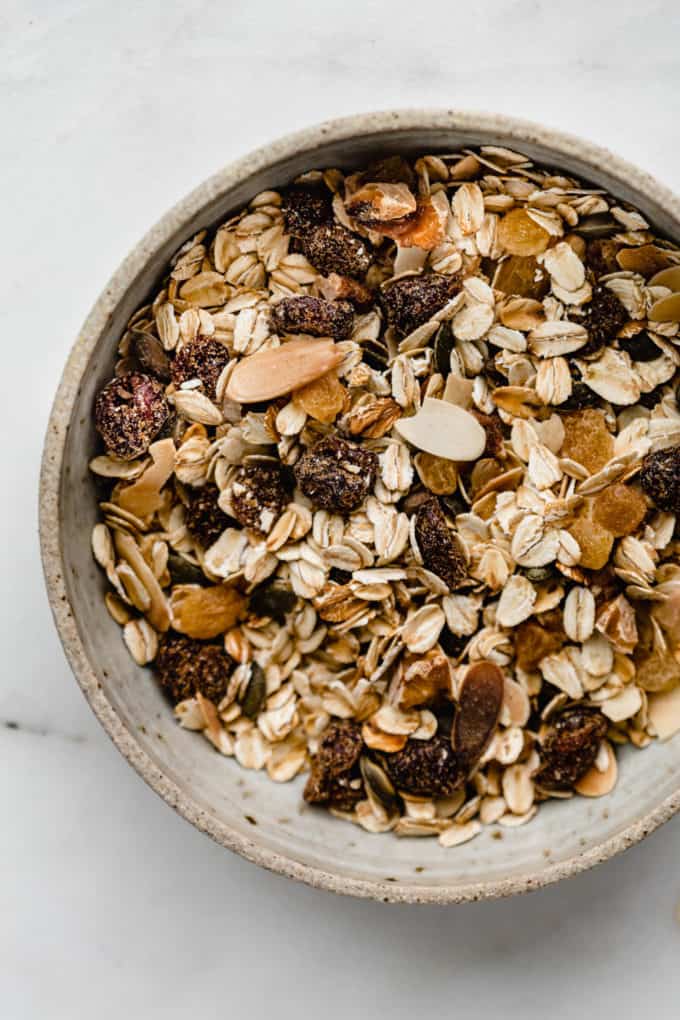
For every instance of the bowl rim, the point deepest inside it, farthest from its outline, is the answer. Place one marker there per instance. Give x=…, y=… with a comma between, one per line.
x=50, y=522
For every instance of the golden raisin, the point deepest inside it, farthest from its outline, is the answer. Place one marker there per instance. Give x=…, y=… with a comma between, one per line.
x=619, y=509
x=520, y=235
x=534, y=641
x=587, y=439
x=322, y=399
x=521, y=276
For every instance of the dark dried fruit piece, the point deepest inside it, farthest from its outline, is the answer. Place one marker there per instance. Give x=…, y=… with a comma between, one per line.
x=439, y=547
x=444, y=342
x=334, y=249
x=129, y=412
x=182, y=571
x=605, y=315
x=255, y=693
x=479, y=708
x=305, y=207
x=202, y=359
x=375, y=354
x=581, y=397
x=393, y=169
x=150, y=354
x=204, y=519
x=185, y=666
x=601, y=256
x=598, y=225
x=641, y=347
x=335, y=767
x=273, y=600
x=427, y=768
x=411, y=301
x=336, y=475
x=259, y=493
x=571, y=747
x=660, y=478
x=493, y=427
x=315, y=316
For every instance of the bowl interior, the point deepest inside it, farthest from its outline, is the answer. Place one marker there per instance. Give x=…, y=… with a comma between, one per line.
x=245, y=809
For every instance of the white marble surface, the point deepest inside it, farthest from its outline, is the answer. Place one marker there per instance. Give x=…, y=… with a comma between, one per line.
x=110, y=905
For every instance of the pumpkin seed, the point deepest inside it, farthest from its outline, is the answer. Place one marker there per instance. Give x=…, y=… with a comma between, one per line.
x=256, y=692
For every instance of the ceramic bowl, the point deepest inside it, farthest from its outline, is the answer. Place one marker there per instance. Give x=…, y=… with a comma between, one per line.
x=245, y=811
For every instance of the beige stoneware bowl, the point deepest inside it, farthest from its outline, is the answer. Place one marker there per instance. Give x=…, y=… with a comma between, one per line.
x=245, y=811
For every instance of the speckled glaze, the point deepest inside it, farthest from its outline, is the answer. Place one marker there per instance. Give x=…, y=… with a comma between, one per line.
x=245, y=811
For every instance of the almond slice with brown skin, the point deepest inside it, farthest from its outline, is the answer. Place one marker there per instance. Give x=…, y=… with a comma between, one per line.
x=666, y=309
x=667, y=278
x=275, y=372
x=479, y=708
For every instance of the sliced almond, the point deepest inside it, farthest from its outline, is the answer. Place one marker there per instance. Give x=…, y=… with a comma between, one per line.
x=667, y=278
x=646, y=259
x=279, y=370
x=666, y=309
x=128, y=550
x=597, y=783
x=444, y=430
x=664, y=713
x=522, y=313
x=377, y=740
x=143, y=497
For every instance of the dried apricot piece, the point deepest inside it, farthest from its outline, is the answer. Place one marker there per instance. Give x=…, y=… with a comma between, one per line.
x=520, y=235
x=596, y=542
x=620, y=509
x=587, y=439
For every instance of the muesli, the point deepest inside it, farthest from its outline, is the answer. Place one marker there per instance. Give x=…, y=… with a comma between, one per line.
x=391, y=467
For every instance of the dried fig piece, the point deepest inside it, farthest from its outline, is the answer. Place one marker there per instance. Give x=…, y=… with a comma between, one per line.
x=521, y=276
x=439, y=547
x=202, y=359
x=493, y=427
x=315, y=316
x=129, y=412
x=581, y=398
x=259, y=494
x=336, y=475
x=427, y=768
x=204, y=519
x=479, y=708
x=184, y=666
x=604, y=317
x=411, y=301
x=660, y=478
x=335, y=777
x=305, y=207
x=334, y=249
x=571, y=747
